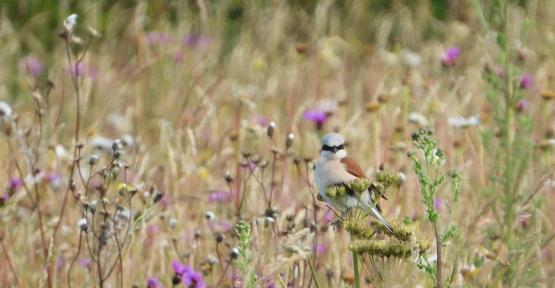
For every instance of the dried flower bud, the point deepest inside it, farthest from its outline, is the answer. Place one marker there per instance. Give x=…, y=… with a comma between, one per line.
x=123, y=214
x=219, y=238
x=93, y=32
x=289, y=141
x=83, y=224
x=227, y=176
x=93, y=159
x=209, y=215
x=271, y=128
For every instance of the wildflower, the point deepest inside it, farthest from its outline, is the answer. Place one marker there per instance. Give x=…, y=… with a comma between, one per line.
x=220, y=196
x=522, y=105
x=526, y=81
x=450, y=56
x=5, y=110
x=70, y=22
x=328, y=217
x=196, y=41
x=14, y=184
x=93, y=159
x=227, y=176
x=437, y=204
x=82, y=70
x=500, y=72
x=461, y=122
x=188, y=276
x=320, y=249
x=411, y=59
x=33, y=66
x=153, y=282
x=85, y=262
x=158, y=38
x=316, y=116
x=53, y=178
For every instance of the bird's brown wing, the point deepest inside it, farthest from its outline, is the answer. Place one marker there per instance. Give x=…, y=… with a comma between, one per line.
x=352, y=167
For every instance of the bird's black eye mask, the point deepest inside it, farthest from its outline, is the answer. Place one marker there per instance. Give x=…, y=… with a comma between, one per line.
x=333, y=148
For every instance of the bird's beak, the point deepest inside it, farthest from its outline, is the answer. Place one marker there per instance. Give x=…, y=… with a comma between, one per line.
x=334, y=149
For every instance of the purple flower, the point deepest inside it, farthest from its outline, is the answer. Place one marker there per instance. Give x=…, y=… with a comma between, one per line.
x=33, y=66
x=262, y=120
x=437, y=204
x=60, y=262
x=153, y=282
x=500, y=72
x=526, y=81
x=53, y=178
x=85, y=262
x=450, y=56
x=220, y=196
x=320, y=249
x=188, y=276
x=196, y=41
x=317, y=117
x=14, y=183
x=328, y=217
x=522, y=105
x=158, y=38
x=82, y=70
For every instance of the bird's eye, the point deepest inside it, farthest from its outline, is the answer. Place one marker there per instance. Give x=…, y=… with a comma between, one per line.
x=327, y=148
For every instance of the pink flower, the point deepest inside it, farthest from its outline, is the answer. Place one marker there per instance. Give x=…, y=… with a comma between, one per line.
x=196, y=41
x=82, y=70
x=220, y=196
x=437, y=204
x=33, y=66
x=158, y=38
x=526, y=81
x=450, y=56
x=328, y=217
x=188, y=276
x=522, y=105
x=317, y=117
x=153, y=282
x=320, y=249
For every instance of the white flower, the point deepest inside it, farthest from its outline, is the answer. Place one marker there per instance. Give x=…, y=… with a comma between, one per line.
x=123, y=214
x=461, y=122
x=5, y=110
x=70, y=22
x=418, y=119
x=411, y=59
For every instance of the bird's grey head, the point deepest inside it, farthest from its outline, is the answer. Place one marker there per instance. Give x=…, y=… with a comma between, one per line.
x=333, y=147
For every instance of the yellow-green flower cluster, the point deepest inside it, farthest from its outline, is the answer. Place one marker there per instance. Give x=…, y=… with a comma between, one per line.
x=357, y=186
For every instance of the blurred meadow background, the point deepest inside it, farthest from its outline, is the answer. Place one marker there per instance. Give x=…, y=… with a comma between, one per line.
x=161, y=143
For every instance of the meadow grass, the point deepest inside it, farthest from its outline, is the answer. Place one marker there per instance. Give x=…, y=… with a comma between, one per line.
x=173, y=142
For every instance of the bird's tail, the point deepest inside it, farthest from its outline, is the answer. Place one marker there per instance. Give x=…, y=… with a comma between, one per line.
x=380, y=218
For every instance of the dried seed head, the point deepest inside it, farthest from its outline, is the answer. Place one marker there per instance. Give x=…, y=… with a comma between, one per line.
x=82, y=224
x=173, y=223
x=227, y=176
x=235, y=252
x=209, y=215
x=219, y=238
x=70, y=22
x=271, y=128
x=289, y=141
x=93, y=159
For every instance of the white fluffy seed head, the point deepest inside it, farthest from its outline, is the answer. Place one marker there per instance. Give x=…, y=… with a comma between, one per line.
x=209, y=215
x=82, y=224
x=70, y=22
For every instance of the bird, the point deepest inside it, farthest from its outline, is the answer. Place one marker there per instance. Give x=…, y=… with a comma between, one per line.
x=335, y=168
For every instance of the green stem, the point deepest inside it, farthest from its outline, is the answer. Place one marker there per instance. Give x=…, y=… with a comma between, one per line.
x=313, y=273
x=357, y=270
